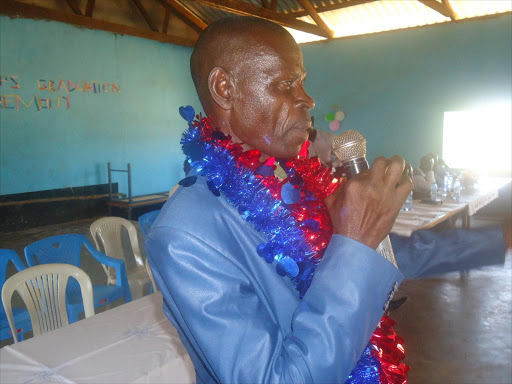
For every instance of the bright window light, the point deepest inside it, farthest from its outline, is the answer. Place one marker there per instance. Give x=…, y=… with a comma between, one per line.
x=479, y=140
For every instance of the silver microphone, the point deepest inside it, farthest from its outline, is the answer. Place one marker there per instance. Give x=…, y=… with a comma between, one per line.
x=350, y=149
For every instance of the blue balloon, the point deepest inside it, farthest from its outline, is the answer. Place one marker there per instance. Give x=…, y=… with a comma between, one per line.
x=188, y=181
x=289, y=194
x=287, y=266
x=265, y=170
x=188, y=113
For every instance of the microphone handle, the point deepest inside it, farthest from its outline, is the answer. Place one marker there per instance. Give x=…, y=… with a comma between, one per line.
x=351, y=168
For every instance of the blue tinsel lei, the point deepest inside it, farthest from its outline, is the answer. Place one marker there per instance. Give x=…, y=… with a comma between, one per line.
x=254, y=202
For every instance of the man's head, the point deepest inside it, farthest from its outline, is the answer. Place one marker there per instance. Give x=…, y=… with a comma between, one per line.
x=426, y=163
x=249, y=77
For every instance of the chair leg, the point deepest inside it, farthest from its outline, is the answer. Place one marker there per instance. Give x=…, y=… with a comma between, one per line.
x=137, y=288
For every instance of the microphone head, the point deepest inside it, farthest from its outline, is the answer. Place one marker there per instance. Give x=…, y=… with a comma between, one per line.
x=350, y=145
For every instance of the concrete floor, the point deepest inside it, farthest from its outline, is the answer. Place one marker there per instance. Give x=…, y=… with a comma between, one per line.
x=456, y=329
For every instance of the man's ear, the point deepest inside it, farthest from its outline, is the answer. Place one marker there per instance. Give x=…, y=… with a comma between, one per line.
x=221, y=87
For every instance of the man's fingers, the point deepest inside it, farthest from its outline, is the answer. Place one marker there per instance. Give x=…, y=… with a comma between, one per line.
x=394, y=171
x=379, y=167
x=404, y=187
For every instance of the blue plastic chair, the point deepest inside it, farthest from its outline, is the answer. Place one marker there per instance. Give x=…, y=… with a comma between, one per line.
x=21, y=315
x=66, y=249
x=146, y=220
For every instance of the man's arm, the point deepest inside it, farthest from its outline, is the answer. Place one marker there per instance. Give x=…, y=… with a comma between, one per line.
x=423, y=184
x=429, y=253
x=229, y=324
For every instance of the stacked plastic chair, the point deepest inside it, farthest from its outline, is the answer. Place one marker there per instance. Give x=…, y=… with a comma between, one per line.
x=20, y=315
x=43, y=289
x=66, y=249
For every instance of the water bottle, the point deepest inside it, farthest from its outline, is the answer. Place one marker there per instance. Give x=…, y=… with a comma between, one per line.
x=456, y=190
x=408, y=203
x=450, y=183
x=433, y=191
x=444, y=191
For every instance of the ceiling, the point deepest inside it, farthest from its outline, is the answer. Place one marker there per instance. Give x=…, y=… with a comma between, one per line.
x=181, y=21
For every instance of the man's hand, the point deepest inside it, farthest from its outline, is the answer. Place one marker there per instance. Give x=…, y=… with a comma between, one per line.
x=367, y=206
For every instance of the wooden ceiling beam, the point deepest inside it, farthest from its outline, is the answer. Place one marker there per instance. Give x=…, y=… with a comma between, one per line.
x=185, y=12
x=436, y=6
x=315, y=16
x=331, y=7
x=248, y=9
x=145, y=15
x=167, y=16
x=89, y=9
x=74, y=7
x=273, y=5
x=450, y=10
x=29, y=11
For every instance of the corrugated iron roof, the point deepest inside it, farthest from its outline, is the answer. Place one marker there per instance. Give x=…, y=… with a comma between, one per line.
x=369, y=17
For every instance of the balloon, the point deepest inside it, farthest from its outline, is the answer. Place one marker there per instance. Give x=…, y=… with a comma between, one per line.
x=334, y=125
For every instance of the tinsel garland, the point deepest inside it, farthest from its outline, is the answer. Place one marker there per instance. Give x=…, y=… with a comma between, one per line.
x=290, y=212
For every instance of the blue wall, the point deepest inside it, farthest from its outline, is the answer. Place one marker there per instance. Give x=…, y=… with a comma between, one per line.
x=61, y=147
x=395, y=87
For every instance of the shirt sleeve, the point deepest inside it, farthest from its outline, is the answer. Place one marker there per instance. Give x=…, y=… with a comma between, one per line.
x=423, y=184
x=429, y=253
x=230, y=328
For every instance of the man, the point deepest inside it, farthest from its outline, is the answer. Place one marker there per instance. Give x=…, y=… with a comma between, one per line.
x=240, y=321
x=424, y=177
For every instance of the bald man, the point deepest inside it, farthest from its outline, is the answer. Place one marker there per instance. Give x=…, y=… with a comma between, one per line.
x=240, y=321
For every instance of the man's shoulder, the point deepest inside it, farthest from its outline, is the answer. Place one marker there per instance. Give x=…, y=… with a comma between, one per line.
x=191, y=208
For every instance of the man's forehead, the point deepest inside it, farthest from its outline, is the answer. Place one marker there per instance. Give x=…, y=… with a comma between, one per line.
x=273, y=56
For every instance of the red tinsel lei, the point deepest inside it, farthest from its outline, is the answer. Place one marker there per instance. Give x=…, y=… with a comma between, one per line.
x=390, y=352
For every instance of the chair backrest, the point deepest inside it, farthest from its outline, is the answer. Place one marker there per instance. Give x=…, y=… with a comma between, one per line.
x=173, y=190
x=150, y=273
x=55, y=249
x=146, y=221
x=43, y=289
x=108, y=231
x=6, y=256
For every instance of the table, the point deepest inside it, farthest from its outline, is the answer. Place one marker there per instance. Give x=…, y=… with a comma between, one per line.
x=132, y=343
x=426, y=216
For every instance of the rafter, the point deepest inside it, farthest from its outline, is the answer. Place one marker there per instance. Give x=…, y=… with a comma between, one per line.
x=450, y=10
x=273, y=5
x=436, y=6
x=331, y=7
x=89, y=9
x=248, y=9
x=145, y=15
x=74, y=6
x=17, y=9
x=167, y=16
x=185, y=12
x=315, y=16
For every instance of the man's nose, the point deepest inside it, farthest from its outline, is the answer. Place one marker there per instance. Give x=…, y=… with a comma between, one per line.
x=303, y=100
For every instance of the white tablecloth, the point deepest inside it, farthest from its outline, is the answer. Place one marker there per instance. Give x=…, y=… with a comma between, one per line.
x=132, y=343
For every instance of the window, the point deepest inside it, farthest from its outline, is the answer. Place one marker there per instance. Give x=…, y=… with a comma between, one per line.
x=479, y=140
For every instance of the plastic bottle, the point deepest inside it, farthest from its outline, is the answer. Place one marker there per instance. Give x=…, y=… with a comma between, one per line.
x=433, y=191
x=408, y=203
x=456, y=190
x=450, y=184
x=444, y=191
